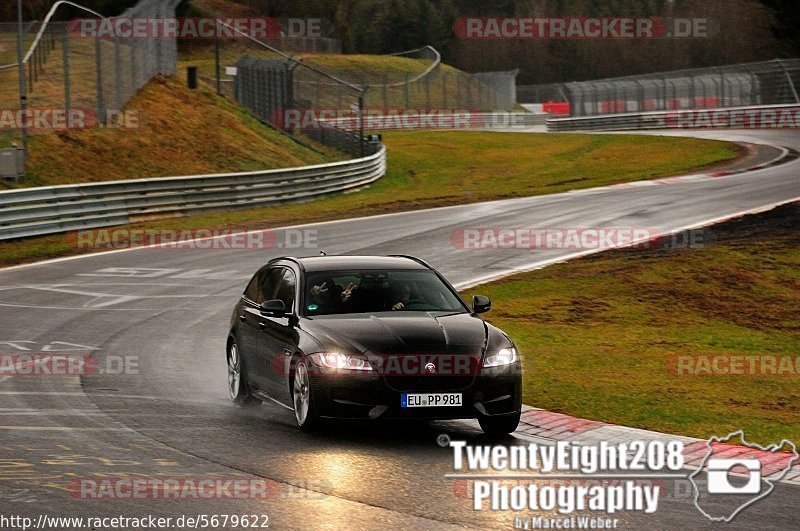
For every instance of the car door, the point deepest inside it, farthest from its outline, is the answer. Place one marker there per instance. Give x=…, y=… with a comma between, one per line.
x=248, y=333
x=280, y=337
x=253, y=324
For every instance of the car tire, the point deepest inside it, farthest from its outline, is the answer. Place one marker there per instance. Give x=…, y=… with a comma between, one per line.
x=303, y=399
x=499, y=426
x=238, y=388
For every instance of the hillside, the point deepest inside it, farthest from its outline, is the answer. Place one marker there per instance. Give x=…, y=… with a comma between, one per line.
x=178, y=132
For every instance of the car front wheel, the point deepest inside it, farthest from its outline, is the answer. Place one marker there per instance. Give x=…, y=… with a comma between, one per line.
x=303, y=399
x=500, y=425
x=237, y=378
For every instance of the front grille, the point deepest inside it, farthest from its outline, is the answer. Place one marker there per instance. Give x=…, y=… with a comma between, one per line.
x=453, y=373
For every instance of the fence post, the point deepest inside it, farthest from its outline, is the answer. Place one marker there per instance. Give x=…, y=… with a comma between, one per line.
x=23, y=96
x=385, y=90
x=361, y=125
x=159, y=51
x=405, y=91
x=789, y=79
x=101, y=104
x=35, y=65
x=427, y=93
x=31, y=61
x=134, y=73
x=217, y=70
x=118, y=75
x=65, y=52
x=444, y=90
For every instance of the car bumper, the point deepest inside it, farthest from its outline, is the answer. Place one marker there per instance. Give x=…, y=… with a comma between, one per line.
x=495, y=391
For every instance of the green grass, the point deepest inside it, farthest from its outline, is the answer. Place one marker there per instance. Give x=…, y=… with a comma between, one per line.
x=597, y=334
x=427, y=169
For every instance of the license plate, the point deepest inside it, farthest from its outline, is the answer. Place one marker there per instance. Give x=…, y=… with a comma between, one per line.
x=430, y=400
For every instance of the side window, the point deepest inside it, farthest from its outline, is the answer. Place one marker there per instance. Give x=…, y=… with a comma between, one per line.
x=269, y=282
x=286, y=288
x=251, y=292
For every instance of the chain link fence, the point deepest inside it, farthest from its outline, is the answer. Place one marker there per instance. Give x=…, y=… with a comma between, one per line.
x=764, y=83
x=417, y=79
x=282, y=91
x=80, y=70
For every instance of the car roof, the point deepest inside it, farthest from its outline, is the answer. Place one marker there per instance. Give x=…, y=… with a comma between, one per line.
x=336, y=263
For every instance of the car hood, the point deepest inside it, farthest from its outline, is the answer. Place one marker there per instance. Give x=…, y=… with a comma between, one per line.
x=401, y=333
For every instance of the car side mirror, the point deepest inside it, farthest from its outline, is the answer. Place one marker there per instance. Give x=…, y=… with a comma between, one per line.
x=273, y=308
x=481, y=304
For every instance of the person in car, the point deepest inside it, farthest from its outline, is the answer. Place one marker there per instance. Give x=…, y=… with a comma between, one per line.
x=403, y=295
x=328, y=297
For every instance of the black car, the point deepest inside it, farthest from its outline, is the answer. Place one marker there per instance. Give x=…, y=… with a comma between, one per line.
x=370, y=337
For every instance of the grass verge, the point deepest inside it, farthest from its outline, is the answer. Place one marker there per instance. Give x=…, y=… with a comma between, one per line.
x=600, y=335
x=428, y=169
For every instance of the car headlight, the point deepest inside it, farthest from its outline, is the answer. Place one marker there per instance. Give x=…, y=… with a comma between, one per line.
x=504, y=356
x=335, y=360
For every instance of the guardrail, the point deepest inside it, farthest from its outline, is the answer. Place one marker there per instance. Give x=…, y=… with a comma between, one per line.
x=750, y=117
x=56, y=209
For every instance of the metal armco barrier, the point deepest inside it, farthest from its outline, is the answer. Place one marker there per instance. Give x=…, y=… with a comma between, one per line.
x=56, y=209
x=750, y=117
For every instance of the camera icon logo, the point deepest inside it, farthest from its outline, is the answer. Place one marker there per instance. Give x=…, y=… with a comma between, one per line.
x=734, y=474
x=719, y=481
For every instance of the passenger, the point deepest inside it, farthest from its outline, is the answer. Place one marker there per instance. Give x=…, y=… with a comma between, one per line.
x=327, y=297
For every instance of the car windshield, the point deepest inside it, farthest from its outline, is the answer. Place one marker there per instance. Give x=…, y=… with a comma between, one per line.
x=368, y=291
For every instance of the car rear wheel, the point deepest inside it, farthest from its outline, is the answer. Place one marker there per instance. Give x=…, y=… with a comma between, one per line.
x=500, y=425
x=302, y=398
x=237, y=378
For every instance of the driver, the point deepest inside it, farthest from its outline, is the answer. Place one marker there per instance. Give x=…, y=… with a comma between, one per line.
x=403, y=294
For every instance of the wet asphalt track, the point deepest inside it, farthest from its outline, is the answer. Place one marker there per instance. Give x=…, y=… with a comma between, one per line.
x=168, y=310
